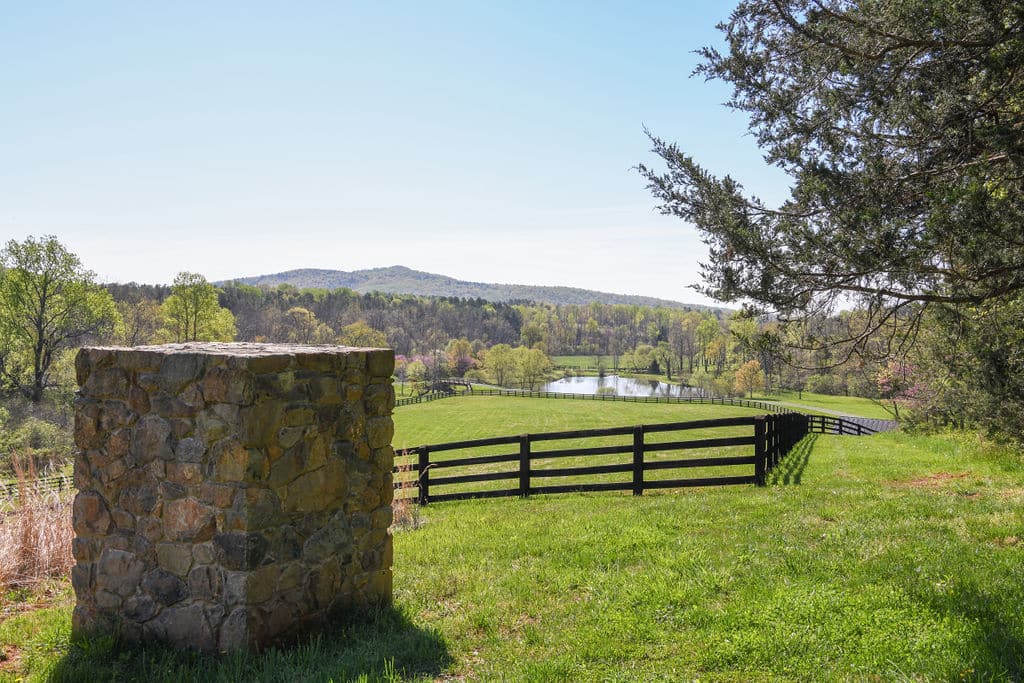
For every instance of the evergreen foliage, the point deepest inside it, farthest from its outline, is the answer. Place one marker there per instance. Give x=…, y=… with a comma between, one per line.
x=901, y=125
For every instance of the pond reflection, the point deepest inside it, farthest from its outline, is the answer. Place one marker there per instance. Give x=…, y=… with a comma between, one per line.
x=619, y=386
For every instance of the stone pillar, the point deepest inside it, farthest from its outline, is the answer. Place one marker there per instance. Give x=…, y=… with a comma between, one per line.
x=230, y=495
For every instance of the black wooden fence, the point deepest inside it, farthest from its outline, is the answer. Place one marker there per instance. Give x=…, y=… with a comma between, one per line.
x=769, y=439
x=773, y=436
x=826, y=424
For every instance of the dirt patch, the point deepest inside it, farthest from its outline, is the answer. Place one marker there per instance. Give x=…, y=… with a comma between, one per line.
x=44, y=595
x=933, y=481
x=15, y=608
x=1008, y=542
x=10, y=658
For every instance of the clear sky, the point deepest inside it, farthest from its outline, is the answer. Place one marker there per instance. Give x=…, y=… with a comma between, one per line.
x=486, y=141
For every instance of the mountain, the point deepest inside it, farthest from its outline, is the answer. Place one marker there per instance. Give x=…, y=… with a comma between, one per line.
x=402, y=280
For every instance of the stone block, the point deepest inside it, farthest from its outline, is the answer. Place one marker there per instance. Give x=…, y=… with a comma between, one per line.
x=231, y=494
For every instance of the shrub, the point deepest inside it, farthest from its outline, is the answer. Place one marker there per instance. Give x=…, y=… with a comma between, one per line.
x=48, y=445
x=821, y=384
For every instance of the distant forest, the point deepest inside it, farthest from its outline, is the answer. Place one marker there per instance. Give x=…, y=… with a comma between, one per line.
x=706, y=348
x=418, y=324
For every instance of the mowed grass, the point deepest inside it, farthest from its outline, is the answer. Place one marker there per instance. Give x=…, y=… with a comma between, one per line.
x=891, y=557
x=475, y=417
x=582, y=362
x=847, y=405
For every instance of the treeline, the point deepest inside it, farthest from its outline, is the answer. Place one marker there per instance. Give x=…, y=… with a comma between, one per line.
x=701, y=347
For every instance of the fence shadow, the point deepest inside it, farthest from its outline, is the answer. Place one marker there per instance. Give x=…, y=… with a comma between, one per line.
x=381, y=644
x=790, y=470
x=997, y=646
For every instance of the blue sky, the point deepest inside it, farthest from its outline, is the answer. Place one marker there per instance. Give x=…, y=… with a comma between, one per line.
x=488, y=142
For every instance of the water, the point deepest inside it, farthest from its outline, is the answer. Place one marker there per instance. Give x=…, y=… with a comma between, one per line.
x=622, y=386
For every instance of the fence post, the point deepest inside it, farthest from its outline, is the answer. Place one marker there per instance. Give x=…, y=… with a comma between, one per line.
x=524, y=465
x=424, y=478
x=638, y=460
x=759, y=450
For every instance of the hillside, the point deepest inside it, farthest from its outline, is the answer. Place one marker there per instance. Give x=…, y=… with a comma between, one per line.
x=402, y=280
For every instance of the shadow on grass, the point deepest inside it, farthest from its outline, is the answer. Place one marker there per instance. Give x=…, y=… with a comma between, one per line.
x=381, y=645
x=997, y=650
x=790, y=469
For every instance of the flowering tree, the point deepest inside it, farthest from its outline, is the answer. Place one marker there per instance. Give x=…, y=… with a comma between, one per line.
x=898, y=382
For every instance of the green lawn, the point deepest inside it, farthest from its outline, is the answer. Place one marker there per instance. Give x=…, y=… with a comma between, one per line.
x=473, y=417
x=404, y=389
x=847, y=405
x=891, y=557
x=476, y=417
x=582, y=362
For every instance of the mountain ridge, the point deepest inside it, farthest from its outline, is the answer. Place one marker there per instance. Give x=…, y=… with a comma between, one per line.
x=404, y=280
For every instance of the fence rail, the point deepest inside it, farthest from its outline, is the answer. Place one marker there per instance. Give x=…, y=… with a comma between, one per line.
x=41, y=485
x=770, y=436
x=826, y=424
x=780, y=433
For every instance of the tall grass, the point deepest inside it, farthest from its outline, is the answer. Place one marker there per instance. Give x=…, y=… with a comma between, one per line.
x=405, y=507
x=35, y=533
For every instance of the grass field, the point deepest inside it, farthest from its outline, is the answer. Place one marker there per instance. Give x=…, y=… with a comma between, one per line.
x=847, y=405
x=473, y=417
x=476, y=417
x=891, y=557
x=582, y=362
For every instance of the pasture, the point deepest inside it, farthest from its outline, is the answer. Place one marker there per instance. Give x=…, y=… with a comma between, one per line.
x=846, y=405
x=890, y=557
x=475, y=417
x=494, y=416
x=583, y=362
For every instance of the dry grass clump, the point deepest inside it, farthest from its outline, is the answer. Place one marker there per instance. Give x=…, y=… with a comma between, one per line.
x=405, y=507
x=35, y=532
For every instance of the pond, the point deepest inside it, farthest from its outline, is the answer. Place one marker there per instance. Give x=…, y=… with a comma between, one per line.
x=620, y=386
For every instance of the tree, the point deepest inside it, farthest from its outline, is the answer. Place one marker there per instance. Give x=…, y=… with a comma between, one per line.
x=902, y=127
x=500, y=364
x=302, y=327
x=708, y=330
x=532, y=365
x=359, y=334
x=48, y=302
x=192, y=312
x=460, y=356
x=750, y=376
x=140, y=322
x=662, y=355
x=401, y=369
x=416, y=371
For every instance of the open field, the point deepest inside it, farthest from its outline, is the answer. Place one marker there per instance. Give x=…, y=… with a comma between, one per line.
x=582, y=362
x=478, y=417
x=847, y=405
x=891, y=557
